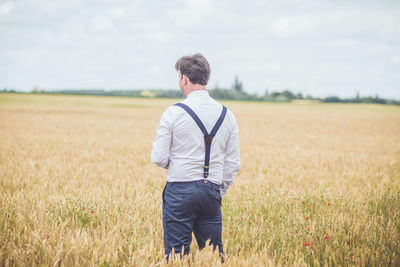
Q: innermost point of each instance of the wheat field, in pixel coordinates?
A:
(319, 184)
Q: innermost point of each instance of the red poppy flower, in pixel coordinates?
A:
(329, 203)
(307, 244)
(326, 237)
(92, 211)
(306, 217)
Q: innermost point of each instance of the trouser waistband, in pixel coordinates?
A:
(194, 182)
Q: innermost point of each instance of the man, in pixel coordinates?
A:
(197, 141)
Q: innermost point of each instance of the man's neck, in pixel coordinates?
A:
(196, 87)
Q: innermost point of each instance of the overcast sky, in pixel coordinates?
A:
(314, 47)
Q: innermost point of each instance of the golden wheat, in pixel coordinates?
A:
(319, 184)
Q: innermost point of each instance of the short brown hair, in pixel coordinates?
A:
(195, 67)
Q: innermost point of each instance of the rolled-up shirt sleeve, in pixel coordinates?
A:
(160, 153)
(232, 158)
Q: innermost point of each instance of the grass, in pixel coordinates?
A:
(319, 184)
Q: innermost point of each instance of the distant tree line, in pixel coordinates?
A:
(236, 92)
(369, 99)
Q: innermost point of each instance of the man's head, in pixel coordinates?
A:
(194, 72)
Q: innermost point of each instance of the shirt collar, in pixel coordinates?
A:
(197, 93)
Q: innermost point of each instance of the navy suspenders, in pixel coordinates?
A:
(207, 137)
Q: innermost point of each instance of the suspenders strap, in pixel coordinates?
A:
(207, 137)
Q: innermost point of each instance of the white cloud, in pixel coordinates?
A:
(395, 59)
(117, 13)
(341, 43)
(190, 13)
(102, 23)
(282, 27)
(295, 26)
(6, 8)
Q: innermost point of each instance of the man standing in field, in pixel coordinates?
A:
(197, 141)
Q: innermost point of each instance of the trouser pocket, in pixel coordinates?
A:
(215, 191)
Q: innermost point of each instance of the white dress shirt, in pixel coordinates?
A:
(179, 144)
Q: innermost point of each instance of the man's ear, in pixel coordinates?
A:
(185, 79)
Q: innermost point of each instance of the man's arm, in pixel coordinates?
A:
(232, 159)
(162, 143)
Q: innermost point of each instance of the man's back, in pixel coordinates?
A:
(187, 150)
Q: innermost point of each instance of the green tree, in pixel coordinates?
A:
(237, 86)
(288, 94)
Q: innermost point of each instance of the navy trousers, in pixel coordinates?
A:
(191, 207)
